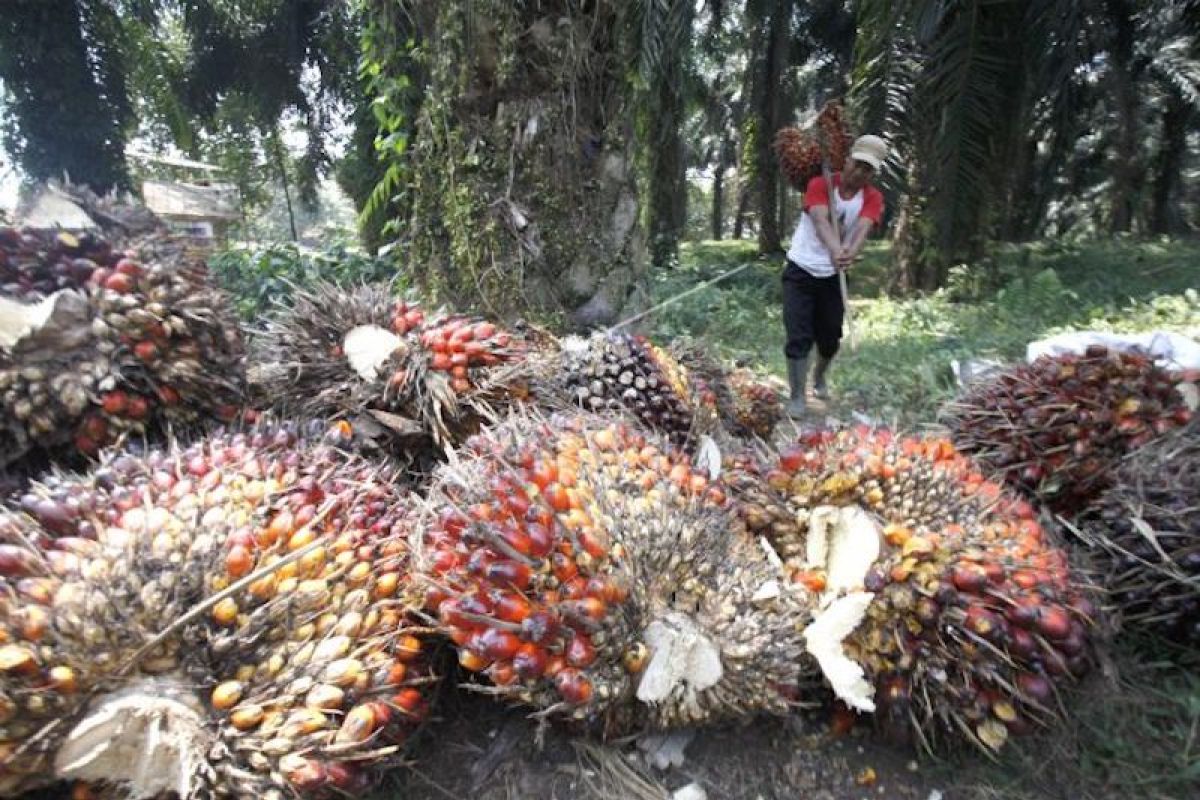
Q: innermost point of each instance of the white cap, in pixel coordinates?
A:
(869, 149)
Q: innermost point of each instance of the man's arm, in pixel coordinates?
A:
(824, 228)
(858, 237)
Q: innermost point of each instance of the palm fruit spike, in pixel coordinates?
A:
(585, 569)
(620, 373)
(971, 616)
(1056, 428)
(226, 619)
(799, 149)
(365, 354)
(1145, 533)
(99, 341)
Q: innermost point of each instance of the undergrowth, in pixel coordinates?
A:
(261, 276)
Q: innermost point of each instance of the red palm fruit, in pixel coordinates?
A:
(573, 686)
(1054, 622)
(512, 607)
(495, 645)
(539, 627)
(137, 407)
(119, 282)
(114, 402)
(530, 662)
(580, 652)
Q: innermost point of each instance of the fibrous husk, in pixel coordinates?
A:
(799, 149)
(617, 373)
(973, 615)
(225, 619)
(105, 339)
(585, 569)
(1057, 428)
(1145, 534)
(364, 355)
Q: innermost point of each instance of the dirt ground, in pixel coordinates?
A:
(480, 750)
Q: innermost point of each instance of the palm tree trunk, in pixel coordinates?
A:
(1125, 167)
(718, 201)
(521, 200)
(281, 165)
(1168, 166)
(768, 101)
(743, 209)
(667, 212)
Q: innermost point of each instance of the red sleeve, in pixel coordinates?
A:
(872, 205)
(816, 193)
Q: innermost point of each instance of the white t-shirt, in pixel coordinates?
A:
(807, 251)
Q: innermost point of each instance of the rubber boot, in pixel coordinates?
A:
(820, 388)
(797, 381)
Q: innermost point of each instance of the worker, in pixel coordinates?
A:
(812, 297)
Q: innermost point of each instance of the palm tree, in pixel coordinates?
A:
(1080, 87)
(937, 77)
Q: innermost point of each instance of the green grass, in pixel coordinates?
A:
(901, 368)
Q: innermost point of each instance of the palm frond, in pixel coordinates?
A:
(1175, 64)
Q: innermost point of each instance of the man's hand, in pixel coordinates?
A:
(842, 259)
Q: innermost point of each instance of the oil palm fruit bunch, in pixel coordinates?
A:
(367, 355)
(585, 569)
(799, 149)
(756, 407)
(224, 619)
(1145, 532)
(1056, 428)
(746, 405)
(968, 616)
(128, 339)
(618, 373)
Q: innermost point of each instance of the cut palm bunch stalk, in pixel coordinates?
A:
(100, 339)
(799, 149)
(382, 363)
(748, 405)
(224, 619)
(961, 615)
(617, 373)
(1056, 428)
(586, 570)
(1145, 534)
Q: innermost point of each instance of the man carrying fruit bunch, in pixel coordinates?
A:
(812, 297)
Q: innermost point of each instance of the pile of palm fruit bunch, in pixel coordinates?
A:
(969, 615)
(381, 363)
(799, 149)
(617, 373)
(102, 338)
(225, 619)
(1144, 533)
(585, 569)
(1057, 428)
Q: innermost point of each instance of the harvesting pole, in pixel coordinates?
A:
(827, 173)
